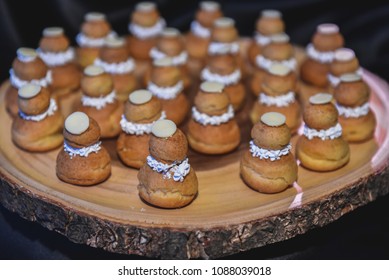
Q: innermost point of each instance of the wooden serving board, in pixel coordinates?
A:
(227, 216)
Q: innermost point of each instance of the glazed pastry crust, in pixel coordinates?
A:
(338, 68)
(54, 44)
(176, 109)
(170, 149)
(237, 95)
(124, 84)
(86, 56)
(96, 29)
(41, 136)
(197, 47)
(140, 48)
(166, 193)
(211, 139)
(35, 105)
(321, 116)
(352, 94)
(66, 79)
(267, 176)
(97, 86)
(143, 113)
(269, 137)
(34, 70)
(314, 72)
(327, 42)
(84, 171)
(322, 155)
(87, 138)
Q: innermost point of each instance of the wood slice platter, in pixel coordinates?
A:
(227, 216)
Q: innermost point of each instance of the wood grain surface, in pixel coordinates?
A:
(226, 217)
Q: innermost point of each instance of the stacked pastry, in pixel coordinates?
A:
(167, 85)
(94, 30)
(213, 128)
(278, 94)
(115, 60)
(38, 126)
(320, 53)
(269, 23)
(322, 147)
(83, 160)
(269, 166)
(99, 100)
(167, 179)
(27, 67)
(223, 61)
(278, 50)
(344, 62)
(199, 36)
(140, 112)
(171, 44)
(352, 101)
(145, 26)
(56, 52)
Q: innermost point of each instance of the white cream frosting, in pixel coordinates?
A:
(18, 83)
(335, 80)
(122, 67)
(205, 119)
(37, 118)
(85, 41)
(179, 59)
(98, 102)
(273, 155)
(199, 30)
(165, 92)
(82, 152)
(230, 79)
(147, 32)
(53, 59)
(261, 39)
(278, 101)
(323, 57)
(323, 134)
(223, 48)
(138, 128)
(265, 63)
(177, 170)
(353, 112)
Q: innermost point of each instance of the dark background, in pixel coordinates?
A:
(362, 234)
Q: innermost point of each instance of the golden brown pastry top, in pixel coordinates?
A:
(274, 84)
(320, 116)
(270, 22)
(327, 38)
(344, 62)
(206, 17)
(89, 137)
(32, 70)
(145, 14)
(114, 53)
(224, 31)
(270, 137)
(170, 149)
(222, 64)
(37, 104)
(95, 25)
(54, 40)
(279, 48)
(352, 94)
(143, 113)
(165, 76)
(170, 42)
(97, 86)
(212, 103)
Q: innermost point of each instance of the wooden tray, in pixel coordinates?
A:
(227, 217)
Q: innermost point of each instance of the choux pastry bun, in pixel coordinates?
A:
(115, 60)
(167, 180)
(38, 126)
(145, 26)
(83, 160)
(278, 94)
(322, 147)
(27, 68)
(167, 85)
(355, 115)
(269, 166)
(56, 52)
(99, 100)
(213, 128)
(141, 110)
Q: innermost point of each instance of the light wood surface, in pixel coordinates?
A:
(225, 218)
